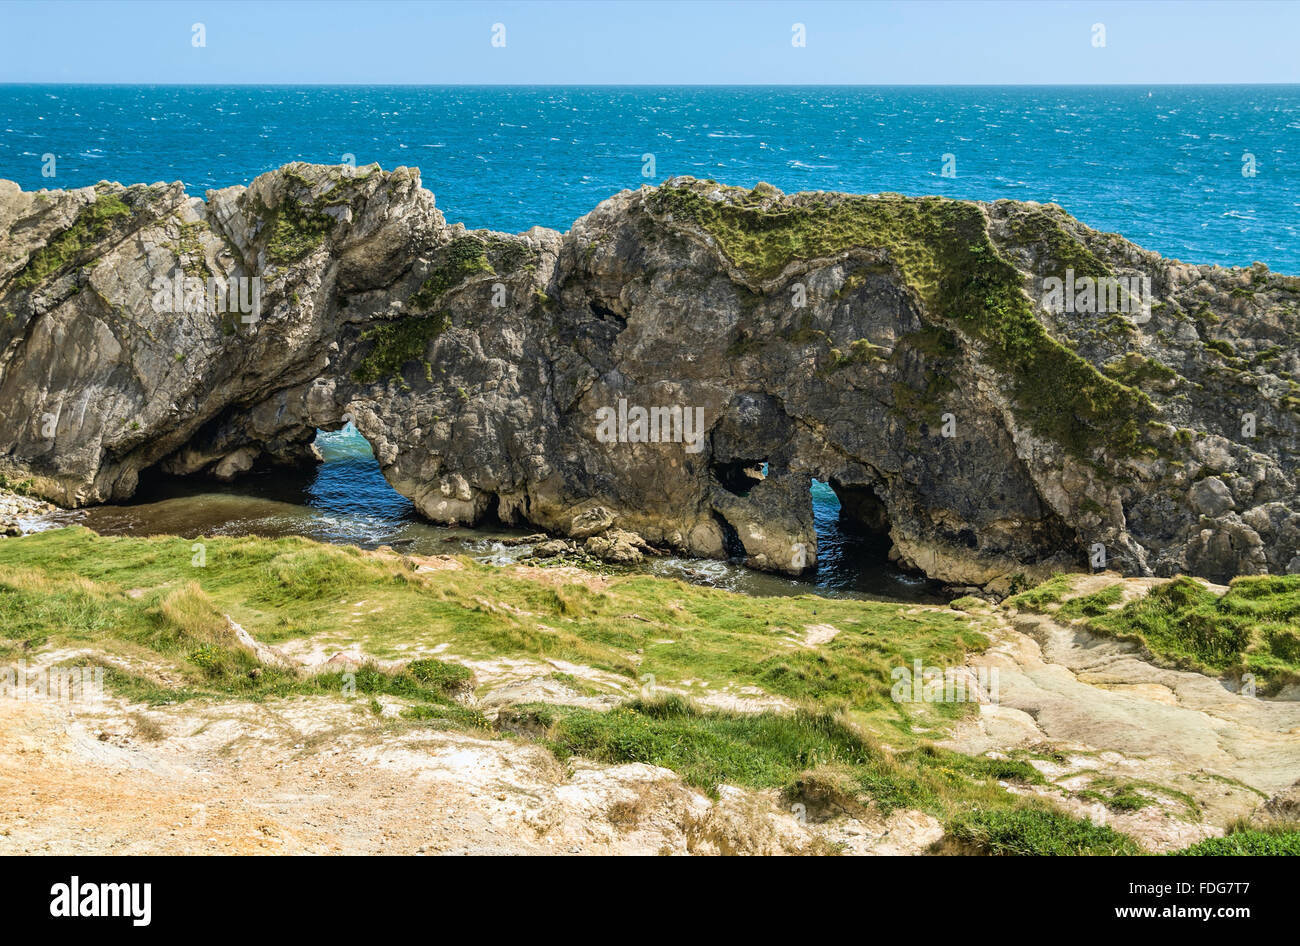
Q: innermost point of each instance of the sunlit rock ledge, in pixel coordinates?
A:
(978, 380)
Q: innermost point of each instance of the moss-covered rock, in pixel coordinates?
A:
(942, 249)
(96, 221)
(818, 335)
(396, 344)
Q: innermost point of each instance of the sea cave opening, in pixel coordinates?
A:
(350, 485)
(739, 476)
(853, 544)
(328, 487)
(348, 481)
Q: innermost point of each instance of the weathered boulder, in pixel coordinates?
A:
(1284, 806)
(678, 366)
(1210, 497)
(617, 547)
(590, 521)
(552, 548)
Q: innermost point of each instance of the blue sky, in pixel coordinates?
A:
(664, 42)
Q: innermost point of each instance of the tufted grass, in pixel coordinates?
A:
(295, 230)
(144, 605)
(811, 754)
(1252, 628)
(94, 222)
(1248, 841)
(1032, 831)
(943, 251)
(75, 586)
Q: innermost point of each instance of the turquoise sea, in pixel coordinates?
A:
(1161, 165)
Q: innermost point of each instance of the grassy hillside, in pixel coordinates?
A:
(1253, 628)
(157, 620)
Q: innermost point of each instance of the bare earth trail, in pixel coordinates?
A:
(322, 775)
(313, 776)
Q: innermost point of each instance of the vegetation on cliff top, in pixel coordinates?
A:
(297, 226)
(1040, 230)
(462, 258)
(468, 256)
(396, 343)
(93, 223)
(1253, 628)
(296, 230)
(406, 339)
(943, 251)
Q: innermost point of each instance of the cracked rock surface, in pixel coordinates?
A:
(900, 349)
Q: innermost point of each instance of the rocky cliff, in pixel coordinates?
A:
(999, 387)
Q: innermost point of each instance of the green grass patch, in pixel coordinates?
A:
(708, 749)
(448, 678)
(1092, 605)
(94, 222)
(140, 602)
(1253, 628)
(810, 753)
(943, 251)
(73, 586)
(1040, 229)
(1247, 843)
(1035, 832)
(1134, 795)
(1136, 371)
(1043, 595)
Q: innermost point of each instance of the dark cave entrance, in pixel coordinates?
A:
(861, 512)
(735, 549)
(853, 543)
(740, 476)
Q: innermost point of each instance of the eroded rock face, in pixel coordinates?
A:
(678, 366)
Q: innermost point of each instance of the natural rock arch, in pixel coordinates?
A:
(829, 336)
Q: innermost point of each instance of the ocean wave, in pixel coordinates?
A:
(867, 142)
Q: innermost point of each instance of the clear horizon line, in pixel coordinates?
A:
(664, 85)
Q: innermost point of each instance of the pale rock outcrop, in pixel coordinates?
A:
(900, 349)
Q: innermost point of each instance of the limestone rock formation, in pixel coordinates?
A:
(677, 366)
